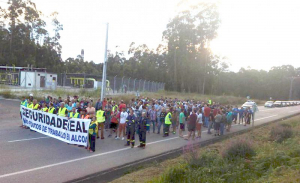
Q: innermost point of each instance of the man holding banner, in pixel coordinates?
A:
(69, 130)
(62, 111)
(92, 134)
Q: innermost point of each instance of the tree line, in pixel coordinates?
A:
(185, 63)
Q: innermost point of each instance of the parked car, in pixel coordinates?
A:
(278, 104)
(284, 104)
(269, 104)
(247, 104)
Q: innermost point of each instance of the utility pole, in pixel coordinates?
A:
(291, 88)
(175, 69)
(203, 85)
(103, 89)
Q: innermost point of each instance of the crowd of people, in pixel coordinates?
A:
(143, 115)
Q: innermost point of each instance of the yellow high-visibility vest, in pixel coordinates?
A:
(44, 109)
(51, 110)
(100, 116)
(30, 106)
(91, 131)
(72, 115)
(62, 112)
(167, 118)
(114, 107)
(36, 106)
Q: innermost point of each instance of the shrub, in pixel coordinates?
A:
(176, 174)
(238, 148)
(295, 152)
(272, 161)
(281, 132)
(7, 94)
(205, 160)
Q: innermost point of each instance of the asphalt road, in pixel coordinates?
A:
(27, 156)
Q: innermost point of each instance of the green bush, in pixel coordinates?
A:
(206, 160)
(294, 152)
(173, 175)
(281, 132)
(238, 148)
(273, 161)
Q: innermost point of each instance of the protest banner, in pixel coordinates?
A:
(72, 131)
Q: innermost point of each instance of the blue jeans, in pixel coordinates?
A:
(206, 121)
(159, 125)
(153, 123)
(222, 125)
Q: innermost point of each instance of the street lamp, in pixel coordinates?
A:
(291, 86)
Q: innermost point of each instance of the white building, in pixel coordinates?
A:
(37, 80)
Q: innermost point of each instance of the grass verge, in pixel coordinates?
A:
(259, 158)
(95, 94)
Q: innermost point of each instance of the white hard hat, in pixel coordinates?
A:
(30, 95)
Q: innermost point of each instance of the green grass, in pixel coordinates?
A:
(259, 158)
(270, 160)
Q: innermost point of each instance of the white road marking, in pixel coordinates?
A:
(265, 117)
(162, 140)
(294, 111)
(92, 156)
(28, 139)
(61, 163)
(268, 109)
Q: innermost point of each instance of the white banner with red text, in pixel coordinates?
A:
(72, 131)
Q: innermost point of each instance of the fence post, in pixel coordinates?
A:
(122, 84)
(64, 82)
(83, 84)
(144, 86)
(128, 84)
(134, 85)
(140, 85)
(114, 83)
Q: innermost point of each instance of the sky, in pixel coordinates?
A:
(257, 33)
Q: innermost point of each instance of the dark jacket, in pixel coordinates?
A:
(142, 125)
(130, 122)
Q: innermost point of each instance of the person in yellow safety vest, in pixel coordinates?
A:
(29, 104)
(23, 103)
(209, 102)
(114, 106)
(168, 122)
(62, 111)
(35, 105)
(100, 119)
(51, 109)
(73, 113)
(92, 134)
(44, 107)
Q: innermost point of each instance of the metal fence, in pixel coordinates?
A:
(114, 84)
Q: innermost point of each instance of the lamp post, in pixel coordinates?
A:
(103, 89)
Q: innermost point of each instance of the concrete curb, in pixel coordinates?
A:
(119, 171)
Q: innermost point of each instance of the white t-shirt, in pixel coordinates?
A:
(199, 118)
(123, 117)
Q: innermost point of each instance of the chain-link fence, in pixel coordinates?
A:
(114, 84)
